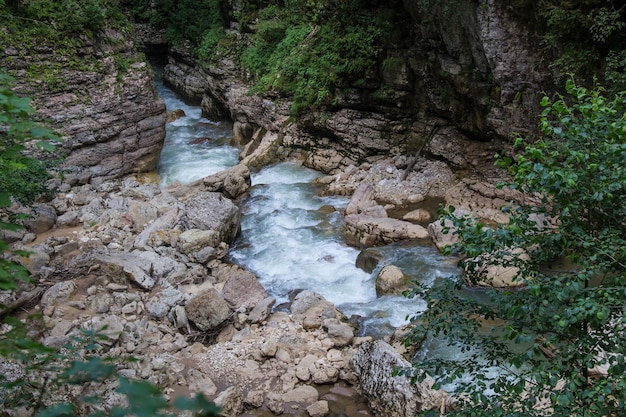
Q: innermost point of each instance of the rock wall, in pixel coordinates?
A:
(99, 96)
(463, 75)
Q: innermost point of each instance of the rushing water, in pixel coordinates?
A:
(194, 146)
(292, 237)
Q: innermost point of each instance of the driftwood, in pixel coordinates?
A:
(25, 298)
(413, 159)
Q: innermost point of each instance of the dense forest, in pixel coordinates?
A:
(570, 324)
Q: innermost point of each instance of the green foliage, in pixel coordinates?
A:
(183, 20)
(307, 49)
(22, 178)
(54, 17)
(567, 321)
(583, 34)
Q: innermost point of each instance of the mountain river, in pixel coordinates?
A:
(291, 237)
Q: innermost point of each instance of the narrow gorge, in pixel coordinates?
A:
(151, 241)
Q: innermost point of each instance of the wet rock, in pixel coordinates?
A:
(368, 259)
(175, 115)
(390, 280)
(207, 310)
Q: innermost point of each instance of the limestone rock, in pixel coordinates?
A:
(417, 216)
(392, 396)
(340, 333)
(243, 291)
(233, 182)
(261, 310)
(230, 401)
(207, 310)
(58, 293)
(495, 272)
(194, 240)
(370, 231)
(318, 409)
(390, 280)
(311, 309)
(212, 211)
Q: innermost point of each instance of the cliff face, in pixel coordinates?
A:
(98, 94)
(458, 77)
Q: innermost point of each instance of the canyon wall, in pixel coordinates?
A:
(97, 93)
(462, 82)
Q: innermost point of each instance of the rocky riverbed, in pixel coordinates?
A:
(145, 265)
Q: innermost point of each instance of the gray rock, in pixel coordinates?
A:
(194, 240)
(243, 290)
(392, 396)
(318, 409)
(366, 230)
(340, 333)
(311, 309)
(43, 219)
(233, 182)
(212, 211)
(390, 280)
(57, 294)
(230, 401)
(262, 310)
(207, 310)
(163, 300)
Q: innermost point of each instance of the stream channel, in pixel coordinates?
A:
(291, 237)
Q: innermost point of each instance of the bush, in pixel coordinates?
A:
(558, 341)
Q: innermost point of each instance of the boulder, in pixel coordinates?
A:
(311, 309)
(417, 216)
(212, 211)
(489, 270)
(365, 230)
(390, 280)
(207, 310)
(233, 182)
(262, 310)
(389, 395)
(230, 401)
(243, 291)
(57, 294)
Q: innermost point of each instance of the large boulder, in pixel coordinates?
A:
(364, 230)
(212, 211)
(207, 310)
(389, 395)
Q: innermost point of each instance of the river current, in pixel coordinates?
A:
(291, 237)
